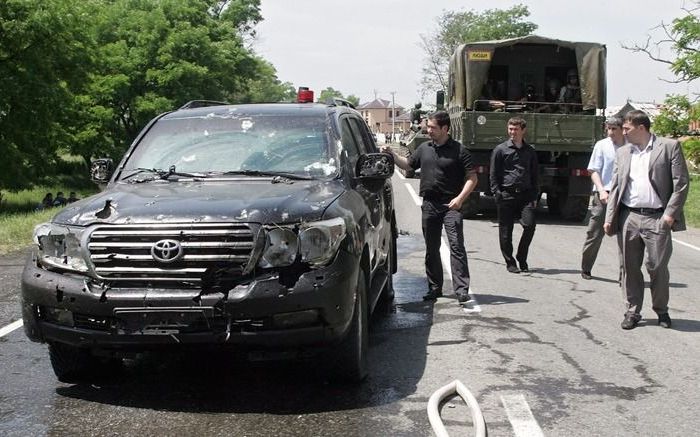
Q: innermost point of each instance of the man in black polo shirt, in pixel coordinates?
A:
(513, 178)
(446, 179)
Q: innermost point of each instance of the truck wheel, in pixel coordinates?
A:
(553, 205)
(470, 207)
(351, 354)
(575, 208)
(70, 364)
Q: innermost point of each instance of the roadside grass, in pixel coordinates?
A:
(19, 215)
(29, 200)
(16, 228)
(692, 205)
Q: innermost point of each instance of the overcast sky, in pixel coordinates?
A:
(369, 48)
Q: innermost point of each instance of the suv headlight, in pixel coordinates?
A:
(317, 242)
(59, 247)
(320, 241)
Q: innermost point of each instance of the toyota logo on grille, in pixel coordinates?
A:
(166, 251)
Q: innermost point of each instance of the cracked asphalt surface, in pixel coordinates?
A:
(549, 336)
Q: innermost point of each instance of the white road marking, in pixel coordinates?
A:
(686, 244)
(11, 327)
(400, 175)
(520, 416)
(473, 305)
(418, 201)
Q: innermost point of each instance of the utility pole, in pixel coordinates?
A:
(393, 116)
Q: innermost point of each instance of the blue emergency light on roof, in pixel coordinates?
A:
(305, 95)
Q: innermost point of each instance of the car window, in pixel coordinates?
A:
(350, 145)
(237, 142)
(360, 130)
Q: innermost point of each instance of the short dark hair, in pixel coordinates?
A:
(442, 118)
(638, 118)
(518, 121)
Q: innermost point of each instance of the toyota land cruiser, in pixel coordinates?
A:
(261, 225)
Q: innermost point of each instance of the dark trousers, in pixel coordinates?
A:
(435, 215)
(510, 208)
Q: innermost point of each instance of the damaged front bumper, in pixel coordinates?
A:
(74, 310)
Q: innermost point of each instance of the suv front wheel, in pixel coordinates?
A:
(71, 364)
(351, 353)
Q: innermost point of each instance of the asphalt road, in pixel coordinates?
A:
(543, 353)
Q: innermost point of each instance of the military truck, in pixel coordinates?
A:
(492, 81)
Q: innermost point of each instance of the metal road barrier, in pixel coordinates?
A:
(440, 394)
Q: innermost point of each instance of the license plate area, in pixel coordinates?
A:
(159, 321)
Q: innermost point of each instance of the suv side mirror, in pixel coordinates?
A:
(101, 170)
(375, 166)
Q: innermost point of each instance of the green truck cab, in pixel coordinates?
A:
(492, 81)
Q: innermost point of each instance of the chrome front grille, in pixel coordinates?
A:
(123, 253)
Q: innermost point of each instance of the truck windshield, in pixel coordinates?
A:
(238, 144)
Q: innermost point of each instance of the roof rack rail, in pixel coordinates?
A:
(337, 101)
(201, 103)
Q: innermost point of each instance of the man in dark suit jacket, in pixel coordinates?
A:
(649, 188)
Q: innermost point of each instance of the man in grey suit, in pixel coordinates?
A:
(649, 188)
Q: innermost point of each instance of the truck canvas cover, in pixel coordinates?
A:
(471, 62)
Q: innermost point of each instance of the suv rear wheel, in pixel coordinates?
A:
(386, 298)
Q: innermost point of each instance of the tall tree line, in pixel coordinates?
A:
(83, 78)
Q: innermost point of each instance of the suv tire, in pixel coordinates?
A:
(71, 364)
(351, 353)
(386, 297)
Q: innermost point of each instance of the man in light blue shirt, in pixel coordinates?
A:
(601, 168)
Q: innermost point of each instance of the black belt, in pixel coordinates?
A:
(644, 211)
(515, 190)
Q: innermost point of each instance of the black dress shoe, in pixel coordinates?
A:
(630, 322)
(432, 295)
(513, 268)
(523, 267)
(664, 320)
(463, 298)
(586, 275)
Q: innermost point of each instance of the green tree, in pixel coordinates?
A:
(455, 28)
(45, 57)
(675, 116)
(679, 47)
(330, 93)
(682, 38)
(156, 55)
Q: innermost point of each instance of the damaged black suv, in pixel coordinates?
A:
(266, 226)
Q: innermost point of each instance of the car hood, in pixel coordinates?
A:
(246, 200)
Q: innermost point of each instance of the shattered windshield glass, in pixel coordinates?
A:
(238, 144)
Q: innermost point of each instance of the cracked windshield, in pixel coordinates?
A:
(213, 145)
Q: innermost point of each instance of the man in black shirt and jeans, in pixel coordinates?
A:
(513, 180)
(447, 178)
